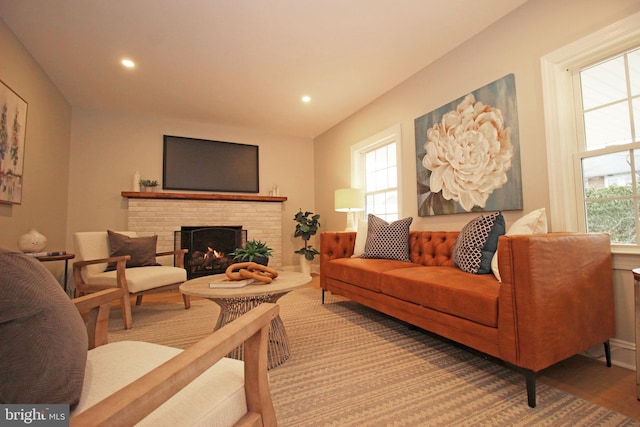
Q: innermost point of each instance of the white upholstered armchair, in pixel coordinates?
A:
(108, 259)
(171, 387)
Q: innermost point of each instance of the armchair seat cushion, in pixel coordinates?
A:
(215, 398)
(142, 278)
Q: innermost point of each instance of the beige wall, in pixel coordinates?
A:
(108, 148)
(514, 44)
(46, 161)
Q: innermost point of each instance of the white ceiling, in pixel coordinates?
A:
(242, 63)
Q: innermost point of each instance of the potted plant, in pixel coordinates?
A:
(307, 226)
(253, 251)
(148, 184)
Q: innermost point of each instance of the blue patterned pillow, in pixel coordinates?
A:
(389, 241)
(477, 243)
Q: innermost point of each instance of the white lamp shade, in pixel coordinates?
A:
(349, 200)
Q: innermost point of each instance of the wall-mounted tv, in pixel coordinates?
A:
(200, 164)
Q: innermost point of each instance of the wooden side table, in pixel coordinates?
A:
(63, 257)
(636, 291)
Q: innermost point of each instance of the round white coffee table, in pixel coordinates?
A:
(234, 302)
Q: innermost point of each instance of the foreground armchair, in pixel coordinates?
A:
(45, 360)
(204, 384)
(107, 259)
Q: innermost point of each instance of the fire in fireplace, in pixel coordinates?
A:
(209, 248)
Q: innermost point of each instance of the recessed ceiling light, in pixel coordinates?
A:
(306, 98)
(128, 63)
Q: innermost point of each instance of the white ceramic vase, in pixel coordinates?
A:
(32, 241)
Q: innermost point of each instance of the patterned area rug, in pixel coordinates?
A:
(351, 366)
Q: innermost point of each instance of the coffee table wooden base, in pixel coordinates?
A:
(234, 302)
(232, 308)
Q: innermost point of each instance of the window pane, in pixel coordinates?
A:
(381, 179)
(392, 177)
(392, 202)
(607, 126)
(381, 158)
(636, 119)
(615, 217)
(634, 73)
(603, 83)
(391, 154)
(609, 199)
(370, 161)
(606, 171)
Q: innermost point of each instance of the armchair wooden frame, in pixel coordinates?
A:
(132, 403)
(83, 288)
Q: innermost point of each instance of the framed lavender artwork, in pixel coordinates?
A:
(13, 123)
(468, 153)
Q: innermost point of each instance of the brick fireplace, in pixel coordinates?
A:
(163, 214)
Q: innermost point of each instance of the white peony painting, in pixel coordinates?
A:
(468, 153)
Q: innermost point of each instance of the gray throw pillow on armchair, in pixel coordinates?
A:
(44, 339)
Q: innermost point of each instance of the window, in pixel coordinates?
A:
(608, 117)
(376, 170)
(582, 140)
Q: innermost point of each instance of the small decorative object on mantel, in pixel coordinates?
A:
(136, 182)
(148, 184)
(32, 241)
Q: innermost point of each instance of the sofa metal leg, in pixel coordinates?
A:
(323, 296)
(607, 352)
(530, 378)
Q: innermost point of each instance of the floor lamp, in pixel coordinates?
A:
(349, 200)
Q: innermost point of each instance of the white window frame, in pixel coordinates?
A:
(561, 129)
(358, 151)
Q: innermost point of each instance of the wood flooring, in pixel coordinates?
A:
(613, 388)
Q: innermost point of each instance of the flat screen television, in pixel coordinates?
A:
(200, 164)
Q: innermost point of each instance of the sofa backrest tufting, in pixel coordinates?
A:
(432, 248)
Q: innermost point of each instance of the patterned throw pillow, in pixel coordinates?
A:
(389, 241)
(477, 243)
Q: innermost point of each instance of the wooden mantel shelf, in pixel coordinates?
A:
(201, 196)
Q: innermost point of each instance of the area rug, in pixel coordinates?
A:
(352, 366)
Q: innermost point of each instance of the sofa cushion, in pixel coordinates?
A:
(447, 290)
(362, 272)
(141, 249)
(44, 340)
(388, 241)
(535, 222)
(215, 398)
(477, 243)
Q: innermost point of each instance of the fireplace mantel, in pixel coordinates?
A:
(201, 196)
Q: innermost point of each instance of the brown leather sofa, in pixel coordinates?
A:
(554, 301)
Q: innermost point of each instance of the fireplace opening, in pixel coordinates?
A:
(209, 248)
